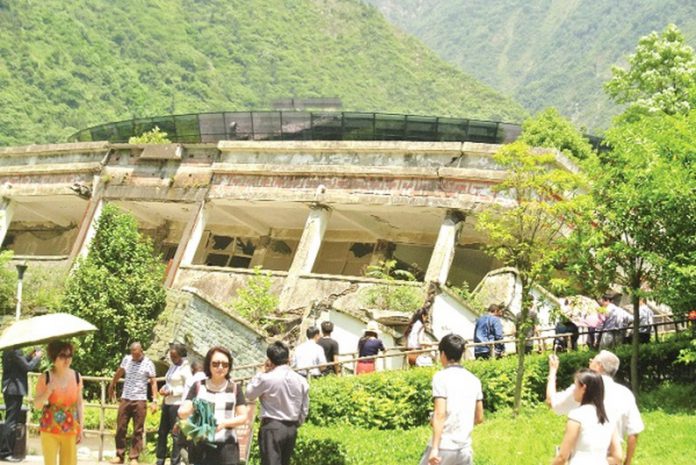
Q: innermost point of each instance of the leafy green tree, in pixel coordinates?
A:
(550, 129)
(118, 288)
(8, 283)
(661, 75)
(527, 230)
(154, 136)
(255, 301)
(639, 232)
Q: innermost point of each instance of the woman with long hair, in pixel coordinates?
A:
(59, 395)
(229, 404)
(415, 338)
(590, 438)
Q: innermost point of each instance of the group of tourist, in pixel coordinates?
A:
(607, 326)
(283, 394)
(601, 413)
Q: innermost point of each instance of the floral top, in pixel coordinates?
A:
(60, 415)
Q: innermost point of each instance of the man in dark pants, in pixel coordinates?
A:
(15, 366)
(284, 399)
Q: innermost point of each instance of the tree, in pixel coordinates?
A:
(526, 228)
(8, 283)
(118, 288)
(661, 76)
(639, 231)
(154, 136)
(550, 129)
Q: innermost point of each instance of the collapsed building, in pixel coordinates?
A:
(311, 199)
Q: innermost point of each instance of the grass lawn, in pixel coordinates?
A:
(527, 440)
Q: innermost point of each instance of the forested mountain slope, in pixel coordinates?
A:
(65, 65)
(542, 52)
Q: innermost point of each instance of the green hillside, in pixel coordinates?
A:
(69, 65)
(542, 52)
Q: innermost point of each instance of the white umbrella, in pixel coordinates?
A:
(44, 328)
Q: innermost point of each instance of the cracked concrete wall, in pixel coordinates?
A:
(219, 284)
(195, 321)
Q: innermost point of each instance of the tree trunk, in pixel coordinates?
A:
(635, 380)
(521, 336)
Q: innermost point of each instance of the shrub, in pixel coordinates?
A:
(391, 296)
(155, 136)
(402, 399)
(312, 448)
(255, 301)
(387, 400)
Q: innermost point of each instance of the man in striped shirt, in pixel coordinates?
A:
(139, 371)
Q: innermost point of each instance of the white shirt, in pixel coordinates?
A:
(137, 377)
(308, 354)
(176, 379)
(646, 319)
(462, 390)
(594, 438)
(617, 318)
(414, 337)
(619, 403)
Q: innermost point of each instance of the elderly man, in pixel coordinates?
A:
(619, 402)
(284, 399)
(139, 371)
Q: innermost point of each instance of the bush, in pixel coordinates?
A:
(402, 399)
(255, 301)
(387, 400)
(347, 445)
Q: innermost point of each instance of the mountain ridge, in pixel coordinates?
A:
(68, 66)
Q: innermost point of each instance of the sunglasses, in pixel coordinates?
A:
(65, 355)
(220, 364)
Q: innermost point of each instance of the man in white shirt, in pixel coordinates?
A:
(619, 402)
(309, 354)
(458, 406)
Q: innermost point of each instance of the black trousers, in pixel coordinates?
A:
(13, 409)
(226, 453)
(167, 422)
(277, 441)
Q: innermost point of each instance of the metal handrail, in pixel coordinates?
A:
(211, 127)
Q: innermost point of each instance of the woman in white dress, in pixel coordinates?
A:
(590, 438)
(416, 339)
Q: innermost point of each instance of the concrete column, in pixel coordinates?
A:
(189, 242)
(443, 253)
(307, 250)
(89, 228)
(260, 252)
(195, 229)
(6, 213)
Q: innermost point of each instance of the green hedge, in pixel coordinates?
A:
(402, 399)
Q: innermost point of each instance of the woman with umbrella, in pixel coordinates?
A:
(59, 395)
